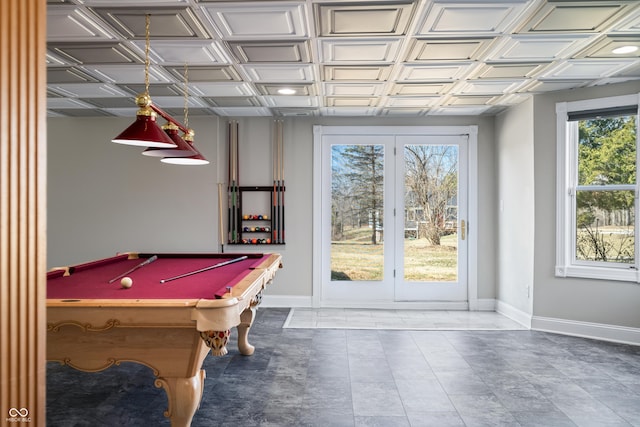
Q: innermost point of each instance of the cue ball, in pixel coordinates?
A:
(126, 282)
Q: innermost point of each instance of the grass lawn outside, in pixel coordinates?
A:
(355, 258)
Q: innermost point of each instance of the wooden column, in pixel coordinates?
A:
(22, 211)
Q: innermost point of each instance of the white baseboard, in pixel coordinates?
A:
(599, 331)
(286, 301)
(486, 304)
(514, 314)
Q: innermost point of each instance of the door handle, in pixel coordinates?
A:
(462, 229)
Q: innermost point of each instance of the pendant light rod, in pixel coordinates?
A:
(168, 117)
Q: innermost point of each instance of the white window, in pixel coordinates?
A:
(597, 193)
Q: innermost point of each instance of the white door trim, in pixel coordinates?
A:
(472, 131)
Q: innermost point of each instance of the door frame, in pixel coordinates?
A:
(472, 220)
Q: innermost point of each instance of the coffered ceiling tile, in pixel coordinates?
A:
(126, 73)
(205, 73)
(191, 52)
(355, 73)
(177, 102)
(70, 23)
(473, 100)
(122, 112)
(291, 101)
(274, 88)
(242, 112)
(604, 47)
(68, 75)
(585, 16)
(585, 69)
(56, 61)
(359, 19)
(271, 51)
(540, 86)
(96, 53)
(295, 112)
(348, 111)
(508, 70)
(60, 103)
(359, 50)
(165, 22)
(488, 87)
(450, 49)
(80, 112)
(88, 90)
(353, 89)
(233, 101)
(53, 94)
(222, 89)
(255, 19)
(343, 101)
(159, 89)
(279, 73)
(437, 72)
(630, 24)
(468, 17)
(420, 89)
(413, 101)
(178, 114)
(540, 48)
(402, 112)
(119, 102)
(459, 111)
(138, 2)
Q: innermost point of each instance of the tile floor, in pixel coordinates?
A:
(347, 318)
(366, 377)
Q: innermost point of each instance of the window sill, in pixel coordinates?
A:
(622, 274)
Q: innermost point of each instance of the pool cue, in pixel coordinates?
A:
(277, 166)
(142, 264)
(220, 219)
(191, 273)
(282, 179)
(236, 193)
(275, 183)
(229, 211)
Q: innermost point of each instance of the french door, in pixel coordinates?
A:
(392, 223)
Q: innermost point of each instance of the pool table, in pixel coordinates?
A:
(167, 324)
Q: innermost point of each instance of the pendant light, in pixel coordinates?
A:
(145, 131)
(195, 159)
(183, 148)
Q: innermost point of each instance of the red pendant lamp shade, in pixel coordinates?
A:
(183, 148)
(195, 160)
(145, 132)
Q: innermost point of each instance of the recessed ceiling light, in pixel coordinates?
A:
(624, 49)
(286, 91)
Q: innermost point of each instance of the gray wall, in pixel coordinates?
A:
(596, 301)
(104, 198)
(516, 206)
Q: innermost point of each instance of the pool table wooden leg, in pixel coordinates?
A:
(246, 320)
(184, 396)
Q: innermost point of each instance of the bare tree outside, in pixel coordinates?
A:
(431, 180)
(357, 190)
(357, 222)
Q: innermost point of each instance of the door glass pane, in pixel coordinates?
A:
(431, 213)
(605, 228)
(357, 212)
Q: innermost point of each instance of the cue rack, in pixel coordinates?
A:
(267, 226)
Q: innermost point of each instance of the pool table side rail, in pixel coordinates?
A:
(260, 275)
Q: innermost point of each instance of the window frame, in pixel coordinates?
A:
(567, 152)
